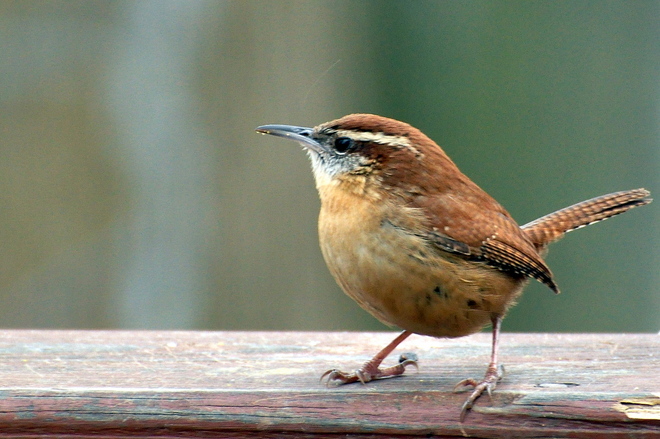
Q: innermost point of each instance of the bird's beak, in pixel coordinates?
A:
(302, 135)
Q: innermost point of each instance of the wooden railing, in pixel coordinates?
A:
(266, 385)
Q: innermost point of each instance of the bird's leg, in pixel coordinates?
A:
(371, 370)
(493, 374)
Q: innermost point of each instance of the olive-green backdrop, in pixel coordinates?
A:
(134, 192)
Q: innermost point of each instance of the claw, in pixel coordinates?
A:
(465, 383)
(488, 384)
(409, 358)
(369, 372)
(336, 375)
(491, 378)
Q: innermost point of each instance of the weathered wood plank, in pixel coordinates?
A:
(266, 384)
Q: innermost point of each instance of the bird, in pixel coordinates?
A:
(418, 244)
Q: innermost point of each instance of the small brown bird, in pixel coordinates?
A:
(420, 246)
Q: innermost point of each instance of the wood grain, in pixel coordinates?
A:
(266, 385)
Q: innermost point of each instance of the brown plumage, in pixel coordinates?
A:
(551, 227)
(419, 245)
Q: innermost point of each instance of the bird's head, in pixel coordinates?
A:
(368, 147)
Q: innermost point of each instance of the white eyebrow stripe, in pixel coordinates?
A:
(381, 138)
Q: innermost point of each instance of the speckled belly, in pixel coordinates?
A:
(398, 278)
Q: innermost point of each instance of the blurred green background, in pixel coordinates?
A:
(134, 192)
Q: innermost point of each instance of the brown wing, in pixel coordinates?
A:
(507, 258)
(478, 228)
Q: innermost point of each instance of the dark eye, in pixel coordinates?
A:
(343, 144)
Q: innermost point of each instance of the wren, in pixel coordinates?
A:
(419, 245)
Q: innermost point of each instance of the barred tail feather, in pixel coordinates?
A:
(552, 227)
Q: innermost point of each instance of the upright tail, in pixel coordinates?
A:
(551, 227)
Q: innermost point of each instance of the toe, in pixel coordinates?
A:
(469, 382)
(336, 376)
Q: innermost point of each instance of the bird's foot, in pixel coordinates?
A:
(370, 371)
(489, 383)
